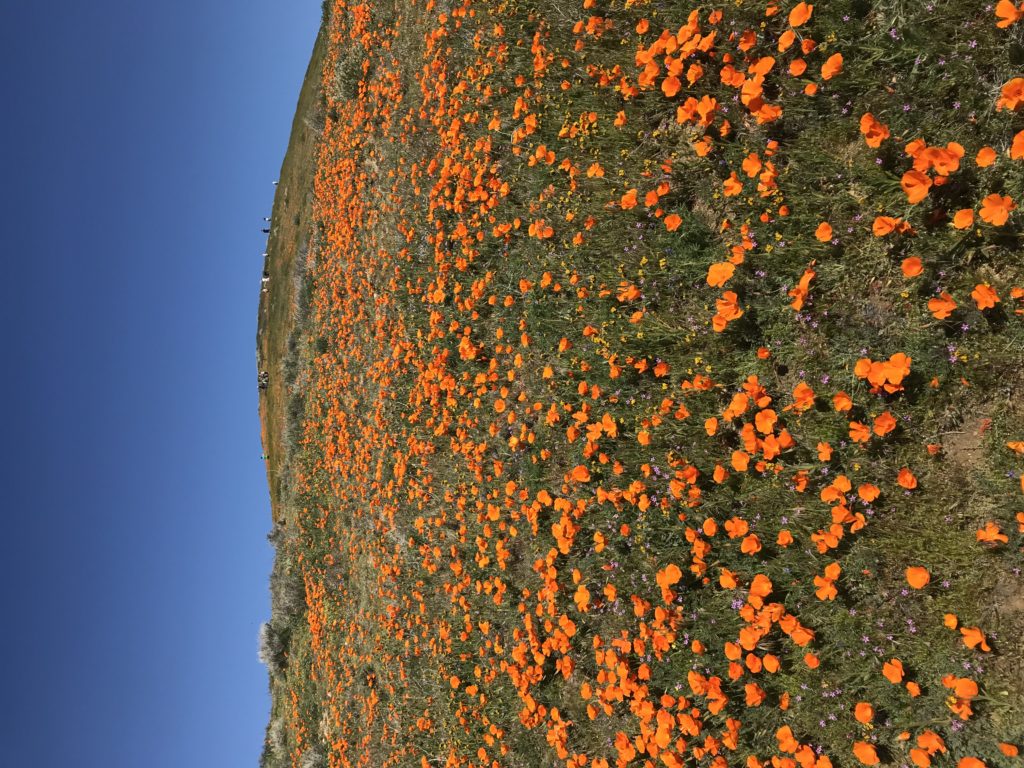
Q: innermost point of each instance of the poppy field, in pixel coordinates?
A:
(658, 392)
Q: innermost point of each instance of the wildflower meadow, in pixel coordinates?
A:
(656, 389)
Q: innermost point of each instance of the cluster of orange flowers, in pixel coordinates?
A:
(529, 535)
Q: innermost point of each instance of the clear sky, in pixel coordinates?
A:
(140, 143)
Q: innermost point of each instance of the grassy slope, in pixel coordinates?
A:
(290, 233)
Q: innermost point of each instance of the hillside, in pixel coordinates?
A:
(280, 308)
(646, 388)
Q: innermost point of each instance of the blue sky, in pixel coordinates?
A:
(140, 145)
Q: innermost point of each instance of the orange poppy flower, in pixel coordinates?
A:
(668, 576)
(823, 232)
(863, 712)
(801, 290)
(874, 132)
(859, 432)
(800, 14)
(918, 577)
(803, 397)
(842, 402)
(750, 545)
(991, 533)
(628, 200)
(963, 218)
(1010, 750)
(884, 424)
(906, 479)
(920, 758)
(719, 273)
(1017, 147)
(1008, 14)
(868, 492)
(833, 66)
(883, 225)
(1011, 96)
(672, 222)
(911, 266)
(985, 157)
(754, 695)
(971, 762)
(984, 296)
(825, 589)
(916, 185)
(941, 306)
(582, 598)
(728, 309)
(974, 638)
(892, 670)
(995, 209)
(865, 753)
(727, 579)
